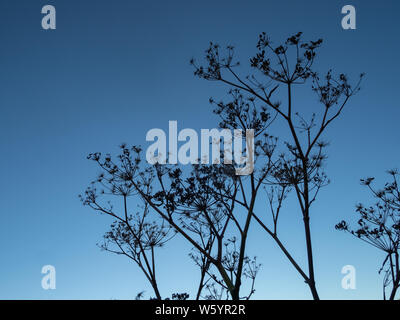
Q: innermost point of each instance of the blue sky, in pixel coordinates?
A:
(110, 72)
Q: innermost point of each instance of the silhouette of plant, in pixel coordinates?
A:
(379, 226)
(132, 235)
(215, 286)
(209, 205)
(194, 204)
(180, 296)
(299, 167)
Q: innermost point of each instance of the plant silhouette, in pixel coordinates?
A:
(379, 226)
(210, 206)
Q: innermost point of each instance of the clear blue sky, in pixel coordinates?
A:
(111, 71)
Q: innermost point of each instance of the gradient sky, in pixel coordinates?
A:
(111, 71)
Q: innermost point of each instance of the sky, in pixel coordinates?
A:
(111, 71)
